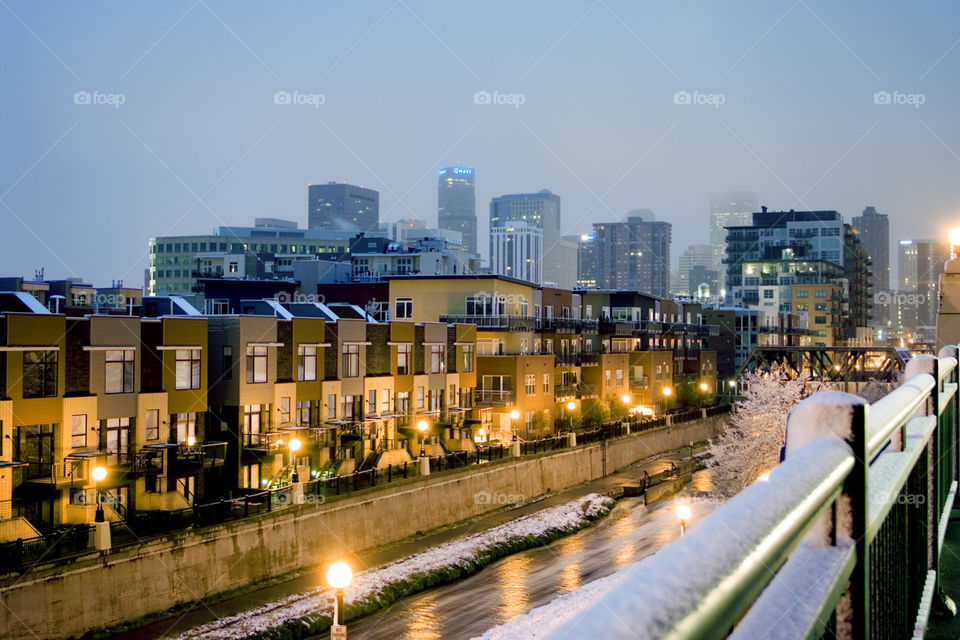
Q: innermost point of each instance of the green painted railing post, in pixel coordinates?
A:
(856, 488)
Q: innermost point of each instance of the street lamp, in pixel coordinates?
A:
(513, 416)
(294, 447)
(99, 474)
(422, 427)
(954, 238)
(571, 407)
(683, 513)
(339, 575)
(191, 441)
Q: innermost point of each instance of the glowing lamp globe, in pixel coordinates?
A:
(294, 445)
(191, 441)
(704, 387)
(683, 512)
(625, 398)
(514, 414)
(571, 405)
(339, 575)
(422, 425)
(954, 236)
(667, 391)
(99, 473)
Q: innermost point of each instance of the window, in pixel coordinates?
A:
(546, 383)
(372, 402)
(346, 407)
(228, 363)
(285, 410)
(256, 364)
(820, 319)
(331, 407)
(251, 476)
(188, 369)
(820, 306)
(251, 425)
(606, 375)
(419, 397)
(306, 363)
(803, 293)
(466, 358)
(39, 374)
(404, 352)
(118, 371)
(802, 306)
(351, 360)
(78, 431)
(303, 412)
(186, 424)
(528, 419)
(117, 436)
(152, 424)
(384, 401)
(403, 403)
(404, 308)
(452, 396)
(768, 294)
(479, 306)
(820, 293)
(437, 358)
(530, 384)
(619, 377)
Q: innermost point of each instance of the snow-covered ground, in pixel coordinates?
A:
(368, 586)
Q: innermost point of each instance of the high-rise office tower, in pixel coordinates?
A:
(340, 206)
(516, 251)
(874, 231)
(587, 262)
(541, 210)
(634, 255)
(729, 209)
(696, 255)
(457, 203)
(921, 263)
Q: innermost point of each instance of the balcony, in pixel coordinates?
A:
(493, 396)
(496, 323)
(639, 382)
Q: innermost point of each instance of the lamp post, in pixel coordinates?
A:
(667, 393)
(294, 447)
(422, 428)
(683, 513)
(704, 388)
(514, 414)
(571, 407)
(339, 576)
(99, 474)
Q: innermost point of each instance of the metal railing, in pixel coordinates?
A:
(843, 540)
(493, 396)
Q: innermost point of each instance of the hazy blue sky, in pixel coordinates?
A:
(199, 140)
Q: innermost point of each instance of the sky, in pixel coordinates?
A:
(121, 121)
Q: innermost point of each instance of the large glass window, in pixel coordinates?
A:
(188, 369)
(404, 353)
(256, 364)
(437, 358)
(306, 363)
(152, 425)
(117, 439)
(466, 358)
(118, 371)
(186, 425)
(39, 374)
(78, 431)
(404, 308)
(351, 360)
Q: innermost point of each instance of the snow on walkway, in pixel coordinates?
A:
(370, 584)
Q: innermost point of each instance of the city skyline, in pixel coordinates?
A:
(106, 124)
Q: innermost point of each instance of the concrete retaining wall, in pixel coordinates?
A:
(93, 591)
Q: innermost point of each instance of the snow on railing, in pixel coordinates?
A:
(843, 539)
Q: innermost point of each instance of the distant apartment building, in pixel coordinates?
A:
(338, 206)
(729, 209)
(782, 249)
(541, 210)
(457, 203)
(920, 264)
(874, 230)
(689, 277)
(587, 262)
(267, 249)
(517, 251)
(634, 255)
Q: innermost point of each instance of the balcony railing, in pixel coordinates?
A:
(500, 323)
(494, 396)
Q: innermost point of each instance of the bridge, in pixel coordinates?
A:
(845, 539)
(830, 364)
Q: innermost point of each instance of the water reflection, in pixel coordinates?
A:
(424, 623)
(511, 577)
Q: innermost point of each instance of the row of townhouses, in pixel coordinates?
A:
(182, 408)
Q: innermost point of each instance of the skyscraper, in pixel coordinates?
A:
(587, 262)
(874, 231)
(634, 255)
(541, 210)
(343, 207)
(921, 263)
(457, 203)
(729, 209)
(696, 255)
(516, 251)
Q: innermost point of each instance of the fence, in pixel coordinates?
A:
(843, 540)
(25, 552)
